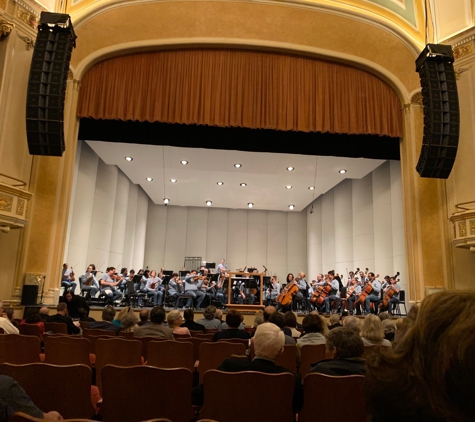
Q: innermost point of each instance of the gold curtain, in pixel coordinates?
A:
(234, 88)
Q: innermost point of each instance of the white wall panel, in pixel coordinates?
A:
(156, 233)
(129, 244)
(196, 233)
(216, 236)
(140, 230)
(328, 232)
(314, 239)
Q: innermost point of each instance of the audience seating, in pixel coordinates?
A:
(66, 389)
(213, 354)
(30, 330)
(195, 332)
(116, 351)
(237, 340)
(196, 345)
(141, 383)
(56, 327)
(19, 349)
(87, 332)
(171, 354)
(145, 340)
(368, 350)
(84, 324)
(238, 396)
(288, 359)
(128, 335)
(2, 331)
(310, 354)
(208, 336)
(177, 336)
(93, 340)
(23, 417)
(68, 350)
(348, 386)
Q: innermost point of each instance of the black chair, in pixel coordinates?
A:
(133, 295)
(402, 301)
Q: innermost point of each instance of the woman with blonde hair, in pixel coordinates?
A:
(431, 368)
(129, 322)
(175, 319)
(372, 332)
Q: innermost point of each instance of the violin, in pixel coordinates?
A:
(89, 280)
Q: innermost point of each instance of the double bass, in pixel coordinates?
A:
(285, 297)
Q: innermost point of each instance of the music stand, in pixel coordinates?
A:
(167, 272)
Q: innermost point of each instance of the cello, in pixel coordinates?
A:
(285, 297)
(320, 294)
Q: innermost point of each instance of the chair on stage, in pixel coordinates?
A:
(116, 351)
(171, 354)
(402, 302)
(68, 350)
(310, 354)
(267, 397)
(66, 389)
(213, 354)
(19, 349)
(147, 402)
(30, 330)
(133, 295)
(348, 386)
(56, 327)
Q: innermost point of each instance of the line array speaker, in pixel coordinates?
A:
(47, 84)
(441, 111)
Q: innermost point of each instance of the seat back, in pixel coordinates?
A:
(171, 354)
(177, 336)
(213, 354)
(116, 351)
(170, 402)
(66, 389)
(93, 341)
(19, 349)
(87, 332)
(369, 350)
(67, 350)
(237, 340)
(249, 387)
(402, 296)
(30, 330)
(348, 386)
(145, 340)
(309, 354)
(84, 324)
(194, 333)
(56, 327)
(207, 336)
(128, 335)
(196, 345)
(288, 359)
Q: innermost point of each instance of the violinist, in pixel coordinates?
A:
(273, 291)
(333, 294)
(354, 290)
(108, 283)
(143, 281)
(154, 288)
(123, 283)
(68, 280)
(374, 296)
(394, 299)
(89, 283)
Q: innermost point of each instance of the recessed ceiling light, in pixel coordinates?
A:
(342, 171)
(166, 201)
(209, 203)
(148, 179)
(290, 168)
(243, 184)
(291, 206)
(288, 187)
(128, 158)
(220, 183)
(173, 180)
(184, 162)
(250, 204)
(311, 187)
(237, 165)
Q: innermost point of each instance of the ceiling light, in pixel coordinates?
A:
(208, 203)
(148, 179)
(291, 206)
(342, 171)
(288, 187)
(128, 158)
(250, 204)
(237, 165)
(166, 201)
(290, 168)
(184, 162)
(243, 184)
(311, 187)
(173, 180)
(220, 183)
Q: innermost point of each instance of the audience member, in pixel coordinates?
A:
(144, 316)
(389, 328)
(314, 329)
(219, 315)
(278, 319)
(108, 315)
(175, 319)
(431, 367)
(334, 321)
(209, 321)
(129, 322)
(352, 323)
(346, 348)
(73, 303)
(44, 313)
(384, 315)
(6, 324)
(291, 323)
(10, 312)
(83, 316)
(120, 315)
(63, 318)
(372, 332)
(156, 327)
(189, 315)
(33, 317)
(233, 322)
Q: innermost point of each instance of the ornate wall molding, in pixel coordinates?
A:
(464, 49)
(5, 29)
(30, 43)
(416, 99)
(27, 17)
(464, 226)
(13, 206)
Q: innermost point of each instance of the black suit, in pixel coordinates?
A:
(104, 325)
(72, 329)
(193, 326)
(340, 367)
(258, 365)
(231, 333)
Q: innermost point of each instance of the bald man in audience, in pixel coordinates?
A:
(63, 318)
(44, 313)
(144, 316)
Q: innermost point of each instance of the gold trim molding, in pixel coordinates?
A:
(417, 99)
(27, 17)
(464, 226)
(13, 206)
(463, 50)
(30, 43)
(5, 29)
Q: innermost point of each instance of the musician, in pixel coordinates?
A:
(333, 294)
(222, 267)
(391, 284)
(154, 288)
(123, 283)
(221, 294)
(351, 275)
(89, 283)
(143, 281)
(190, 287)
(303, 287)
(273, 291)
(354, 290)
(375, 295)
(108, 285)
(361, 278)
(67, 278)
(175, 286)
(206, 289)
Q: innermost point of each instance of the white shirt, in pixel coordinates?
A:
(8, 327)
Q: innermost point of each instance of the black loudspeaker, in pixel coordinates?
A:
(441, 111)
(47, 84)
(29, 294)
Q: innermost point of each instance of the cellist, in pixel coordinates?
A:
(394, 299)
(354, 290)
(374, 296)
(333, 293)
